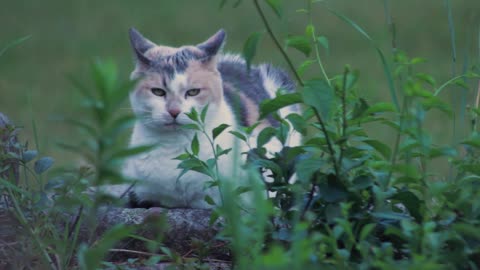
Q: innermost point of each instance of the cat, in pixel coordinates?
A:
(173, 81)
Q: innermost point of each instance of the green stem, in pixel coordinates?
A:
(277, 43)
(396, 146)
(344, 114)
(217, 172)
(315, 43)
(329, 142)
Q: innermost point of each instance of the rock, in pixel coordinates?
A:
(181, 230)
(185, 232)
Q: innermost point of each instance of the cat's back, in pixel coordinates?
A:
(244, 89)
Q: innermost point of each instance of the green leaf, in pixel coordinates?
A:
(265, 135)
(305, 64)
(300, 43)
(362, 182)
(191, 126)
(380, 107)
(319, 95)
(242, 189)
(332, 190)
(203, 114)
(250, 47)
(213, 217)
(91, 258)
(193, 115)
(276, 5)
(307, 167)
(194, 164)
(132, 151)
(219, 151)
(468, 230)
(195, 145)
(298, 123)
(105, 75)
(380, 147)
(183, 156)
(209, 200)
(390, 215)
(43, 164)
(238, 135)
(272, 105)
(360, 108)
(366, 231)
(323, 41)
(218, 130)
(426, 78)
(29, 155)
(411, 202)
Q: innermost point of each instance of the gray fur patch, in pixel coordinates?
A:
(237, 79)
(175, 63)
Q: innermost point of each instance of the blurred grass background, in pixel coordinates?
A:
(67, 35)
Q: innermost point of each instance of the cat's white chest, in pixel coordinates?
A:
(158, 174)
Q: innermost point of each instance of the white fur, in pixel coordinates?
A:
(156, 171)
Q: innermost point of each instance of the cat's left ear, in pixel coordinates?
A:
(214, 44)
(140, 46)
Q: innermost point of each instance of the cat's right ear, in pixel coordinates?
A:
(140, 45)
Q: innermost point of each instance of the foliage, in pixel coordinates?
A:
(342, 199)
(357, 202)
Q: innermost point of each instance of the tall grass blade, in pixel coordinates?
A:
(386, 68)
(14, 43)
(390, 24)
(32, 119)
(451, 28)
(464, 90)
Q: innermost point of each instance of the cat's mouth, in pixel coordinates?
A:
(173, 124)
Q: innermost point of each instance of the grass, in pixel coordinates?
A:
(364, 198)
(65, 35)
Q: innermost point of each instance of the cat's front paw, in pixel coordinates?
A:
(134, 202)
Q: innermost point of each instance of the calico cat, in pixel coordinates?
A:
(173, 81)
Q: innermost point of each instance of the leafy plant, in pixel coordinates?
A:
(342, 199)
(358, 202)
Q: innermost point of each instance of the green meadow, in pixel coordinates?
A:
(66, 36)
(387, 175)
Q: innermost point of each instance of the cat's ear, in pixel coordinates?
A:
(140, 45)
(214, 44)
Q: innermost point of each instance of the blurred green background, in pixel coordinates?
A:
(67, 35)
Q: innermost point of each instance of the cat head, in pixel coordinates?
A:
(173, 81)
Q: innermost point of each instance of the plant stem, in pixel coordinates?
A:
(477, 102)
(277, 43)
(217, 172)
(396, 146)
(344, 115)
(315, 43)
(310, 198)
(329, 142)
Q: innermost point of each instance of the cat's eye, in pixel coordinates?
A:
(193, 92)
(158, 92)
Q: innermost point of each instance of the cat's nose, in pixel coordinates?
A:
(174, 112)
